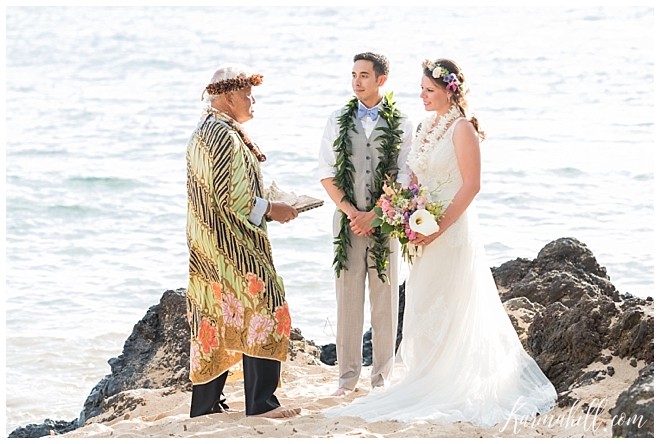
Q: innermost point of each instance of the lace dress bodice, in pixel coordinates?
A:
(434, 162)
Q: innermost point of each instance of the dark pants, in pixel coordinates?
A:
(261, 377)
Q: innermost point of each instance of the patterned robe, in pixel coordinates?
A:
(235, 298)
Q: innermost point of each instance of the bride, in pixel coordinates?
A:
(463, 360)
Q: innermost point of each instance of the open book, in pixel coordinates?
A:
(300, 203)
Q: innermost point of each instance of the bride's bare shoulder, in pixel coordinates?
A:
(465, 132)
(464, 125)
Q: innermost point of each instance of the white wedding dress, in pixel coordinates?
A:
(462, 358)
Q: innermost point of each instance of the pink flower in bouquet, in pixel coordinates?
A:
(385, 205)
(410, 234)
(405, 211)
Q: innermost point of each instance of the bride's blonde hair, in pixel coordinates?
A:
(457, 94)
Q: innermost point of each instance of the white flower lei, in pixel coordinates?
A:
(427, 137)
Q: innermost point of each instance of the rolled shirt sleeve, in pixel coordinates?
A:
(327, 153)
(260, 206)
(405, 173)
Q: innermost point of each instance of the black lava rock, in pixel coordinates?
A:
(46, 428)
(632, 416)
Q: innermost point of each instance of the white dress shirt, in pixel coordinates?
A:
(260, 207)
(328, 155)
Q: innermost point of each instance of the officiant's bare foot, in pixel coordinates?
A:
(342, 391)
(279, 412)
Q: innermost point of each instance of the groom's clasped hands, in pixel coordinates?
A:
(361, 222)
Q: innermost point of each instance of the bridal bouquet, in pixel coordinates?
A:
(405, 211)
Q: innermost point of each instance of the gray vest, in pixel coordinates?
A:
(365, 158)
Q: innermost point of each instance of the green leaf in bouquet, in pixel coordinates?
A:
(386, 228)
(376, 223)
(379, 213)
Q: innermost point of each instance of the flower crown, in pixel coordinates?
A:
(225, 86)
(438, 71)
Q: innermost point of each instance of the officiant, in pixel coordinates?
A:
(236, 305)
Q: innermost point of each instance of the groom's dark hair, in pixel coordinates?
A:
(380, 62)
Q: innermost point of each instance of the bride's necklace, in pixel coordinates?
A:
(428, 135)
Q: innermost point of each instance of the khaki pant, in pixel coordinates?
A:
(384, 302)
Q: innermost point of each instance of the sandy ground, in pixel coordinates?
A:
(309, 385)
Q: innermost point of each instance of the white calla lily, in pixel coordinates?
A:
(423, 222)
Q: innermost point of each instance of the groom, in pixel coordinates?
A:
(364, 143)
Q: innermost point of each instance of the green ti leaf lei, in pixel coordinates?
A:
(386, 170)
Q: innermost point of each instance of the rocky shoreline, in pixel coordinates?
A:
(568, 315)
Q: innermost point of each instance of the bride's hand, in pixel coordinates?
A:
(425, 240)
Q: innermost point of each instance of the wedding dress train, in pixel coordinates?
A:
(462, 358)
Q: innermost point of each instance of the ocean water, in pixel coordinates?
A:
(100, 103)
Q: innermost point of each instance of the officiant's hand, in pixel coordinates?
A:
(282, 212)
(361, 223)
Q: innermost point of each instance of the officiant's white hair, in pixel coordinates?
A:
(231, 71)
(225, 72)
